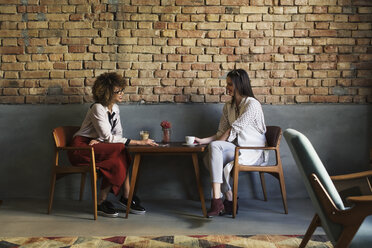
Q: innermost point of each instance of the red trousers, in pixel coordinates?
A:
(112, 160)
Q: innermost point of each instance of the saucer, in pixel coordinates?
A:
(185, 144)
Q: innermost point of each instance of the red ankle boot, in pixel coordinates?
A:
(217, 208)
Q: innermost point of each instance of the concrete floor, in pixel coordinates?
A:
(164, 217)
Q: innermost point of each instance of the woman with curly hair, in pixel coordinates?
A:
(102, 129)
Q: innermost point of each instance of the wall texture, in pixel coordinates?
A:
(341, 134)
(296, 51)
(315, 52)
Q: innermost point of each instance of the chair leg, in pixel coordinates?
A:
(235, 189)
(347, 235)
(93, 181)
(263, 185)
(51, 191)
(82, 186)
(283, 191)
(310, 230)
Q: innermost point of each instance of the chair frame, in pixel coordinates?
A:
(62, 136)
(275, 170)
(351, 219)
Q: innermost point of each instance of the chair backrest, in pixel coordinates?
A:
(308, 162)
(63, 135)
(273, 134)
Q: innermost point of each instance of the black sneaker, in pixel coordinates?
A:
(135, 207)
(107, 209)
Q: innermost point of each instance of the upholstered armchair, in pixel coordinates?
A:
(344, 226)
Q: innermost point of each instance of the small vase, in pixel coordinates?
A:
(166, 135)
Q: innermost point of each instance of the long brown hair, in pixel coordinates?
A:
(103, 88)
(242, 83)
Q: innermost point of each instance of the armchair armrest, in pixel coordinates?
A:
(362, 205)
(352, 175)
(361, 199)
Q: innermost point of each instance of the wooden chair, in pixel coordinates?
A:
(345, 226)
(62, 138)
(273, 135)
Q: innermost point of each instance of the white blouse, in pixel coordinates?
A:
(247, 129)
(102, 125)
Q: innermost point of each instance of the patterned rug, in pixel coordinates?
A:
(178, 241)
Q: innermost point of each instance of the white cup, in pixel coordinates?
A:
(190, 140)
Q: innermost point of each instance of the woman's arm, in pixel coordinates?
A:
(131, 142)
(252, 116)
(93, 142)
(224, 123)
(222, 132)
(102, 126)
(206, 140)
(143, 142)
(225, 135)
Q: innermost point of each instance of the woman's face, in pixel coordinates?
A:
(230, 89)
(118, 95)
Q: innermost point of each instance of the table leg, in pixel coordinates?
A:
(137, 159)
(201, 194)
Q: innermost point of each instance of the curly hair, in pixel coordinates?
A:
(103, 88)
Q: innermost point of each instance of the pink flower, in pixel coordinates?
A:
(165, 124)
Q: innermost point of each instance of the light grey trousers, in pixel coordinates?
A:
(220, 153)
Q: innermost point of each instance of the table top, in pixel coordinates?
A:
(172, 147)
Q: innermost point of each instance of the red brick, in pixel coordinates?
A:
(12, 99)
(37, 9)
(324, 99)
(189, 2)
(181, 99)
(160, 25)
(189, 58)
(323, 33)
(12, 50)
(77, 49)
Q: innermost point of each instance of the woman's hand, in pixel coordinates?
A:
(145, 142)
(205, 140)
(199, 140)
(93, 142)
(148, 142)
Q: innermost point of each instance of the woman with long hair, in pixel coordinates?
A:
(242, 124)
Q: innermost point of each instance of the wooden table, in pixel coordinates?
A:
(173, 148)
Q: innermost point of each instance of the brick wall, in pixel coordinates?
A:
(296, 51)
